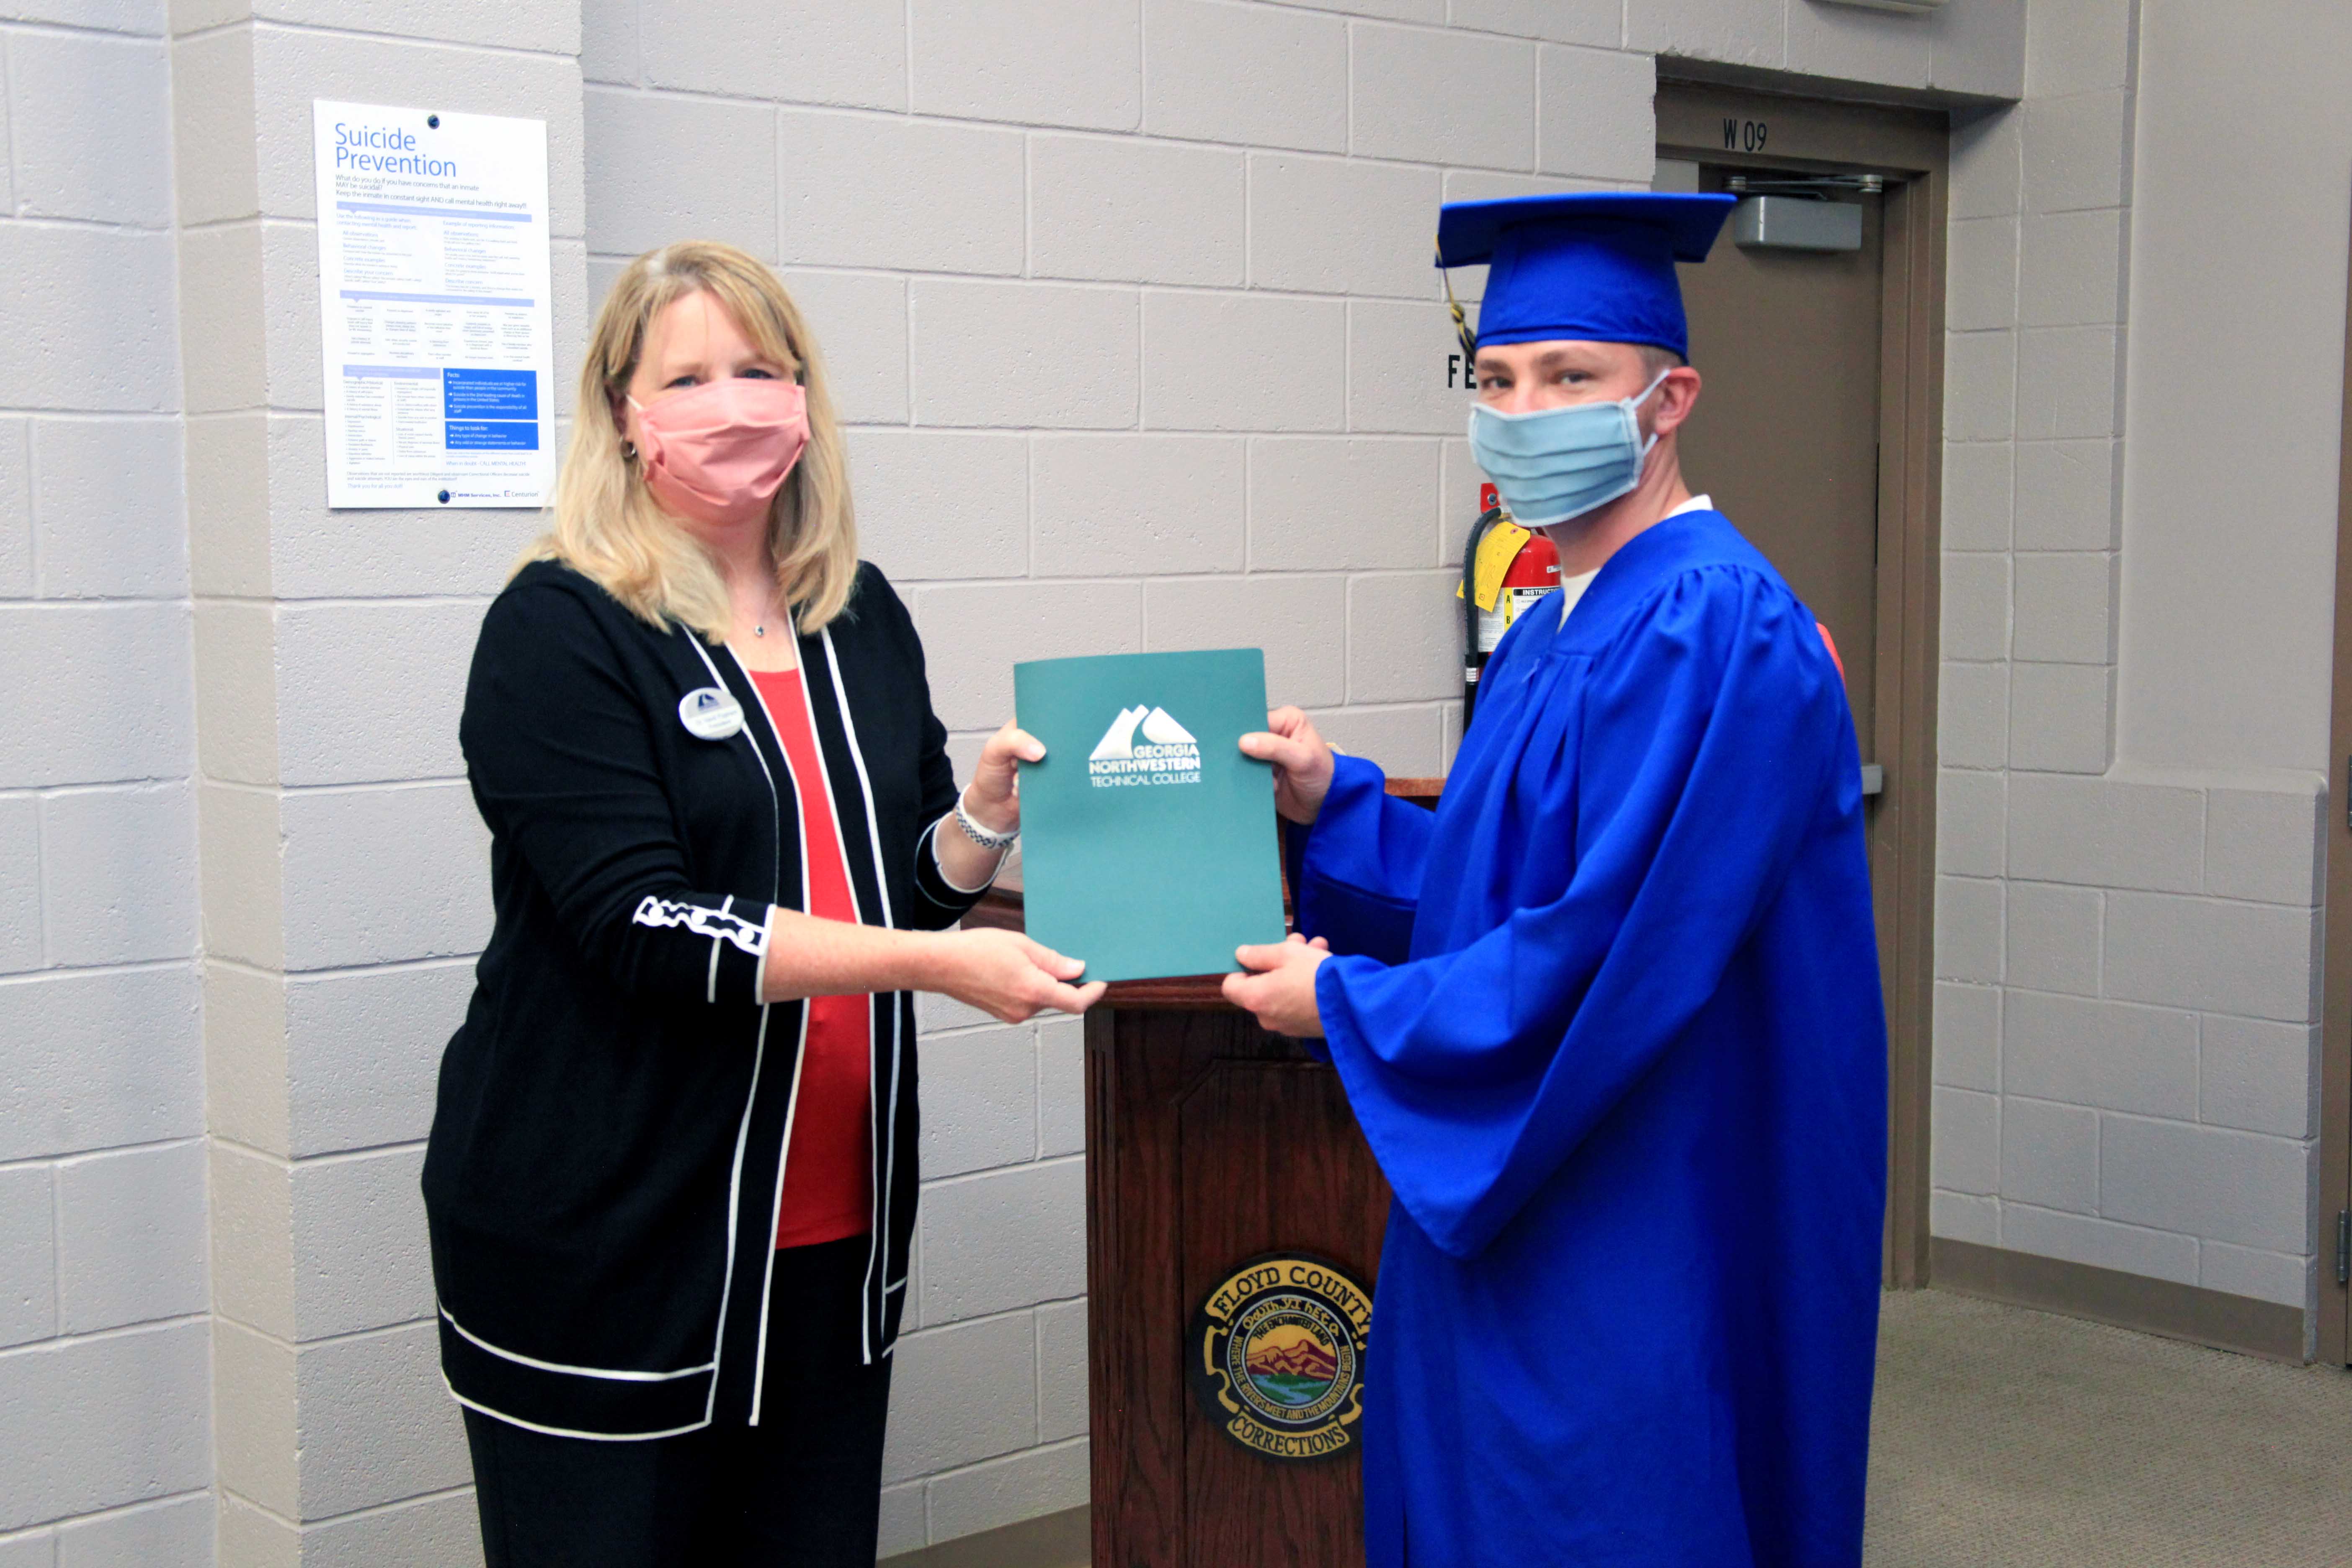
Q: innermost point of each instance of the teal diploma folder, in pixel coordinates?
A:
(1148, 845)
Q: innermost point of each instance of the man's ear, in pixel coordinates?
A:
(1674, 400)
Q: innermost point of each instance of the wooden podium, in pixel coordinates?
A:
(1210, 1143)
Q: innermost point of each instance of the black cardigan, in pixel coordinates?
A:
(608, 1144)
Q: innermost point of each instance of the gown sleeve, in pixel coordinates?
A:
(1356, 872)
(1709, 739)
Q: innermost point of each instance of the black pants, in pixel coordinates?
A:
(802, 1490)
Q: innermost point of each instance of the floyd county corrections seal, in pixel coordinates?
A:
(1278, 1356)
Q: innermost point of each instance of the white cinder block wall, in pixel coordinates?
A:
(345, 883)
(105, 1446)
(1128, 307)
(2135, 621)
(1137, 355)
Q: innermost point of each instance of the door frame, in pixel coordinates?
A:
(2335, 1325)
(1714, 123)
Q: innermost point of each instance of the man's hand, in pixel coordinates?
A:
(1280, 986)
(1301, 759)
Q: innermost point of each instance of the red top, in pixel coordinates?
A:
(828, 1166)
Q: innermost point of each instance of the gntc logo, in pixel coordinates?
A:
(1167, 755)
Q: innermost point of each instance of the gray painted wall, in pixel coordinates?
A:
(2145, 390)
(2244, 162)
(1128, 306)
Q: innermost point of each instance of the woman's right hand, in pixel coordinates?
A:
(1008, 976)
(1301, 759)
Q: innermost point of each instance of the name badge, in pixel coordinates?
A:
(710, 713)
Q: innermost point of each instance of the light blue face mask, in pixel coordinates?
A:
(1553, 464)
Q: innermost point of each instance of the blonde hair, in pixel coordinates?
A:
(607, 525)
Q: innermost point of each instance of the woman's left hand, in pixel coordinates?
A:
(993, 797)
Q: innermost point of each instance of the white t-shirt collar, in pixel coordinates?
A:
(1571, 589)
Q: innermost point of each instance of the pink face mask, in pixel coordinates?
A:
(718, 452)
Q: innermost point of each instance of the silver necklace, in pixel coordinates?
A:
(760, 627)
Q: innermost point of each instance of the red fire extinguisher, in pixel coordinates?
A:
(1506, 571)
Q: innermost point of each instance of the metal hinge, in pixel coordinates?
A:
(2344, 1246)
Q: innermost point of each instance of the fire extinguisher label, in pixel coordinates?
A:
(1509, 606)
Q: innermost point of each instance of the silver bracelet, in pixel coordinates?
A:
(981, 835)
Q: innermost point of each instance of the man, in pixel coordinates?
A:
(1610, 1018)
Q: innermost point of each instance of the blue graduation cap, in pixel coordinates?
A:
(1592, 264)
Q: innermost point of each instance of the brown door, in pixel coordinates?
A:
(1785, 436)
(1819, 433)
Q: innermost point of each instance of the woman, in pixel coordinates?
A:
(671, 1181)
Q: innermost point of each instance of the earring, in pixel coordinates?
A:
(628, 451)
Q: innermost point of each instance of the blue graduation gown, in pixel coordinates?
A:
(1610, 1022)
